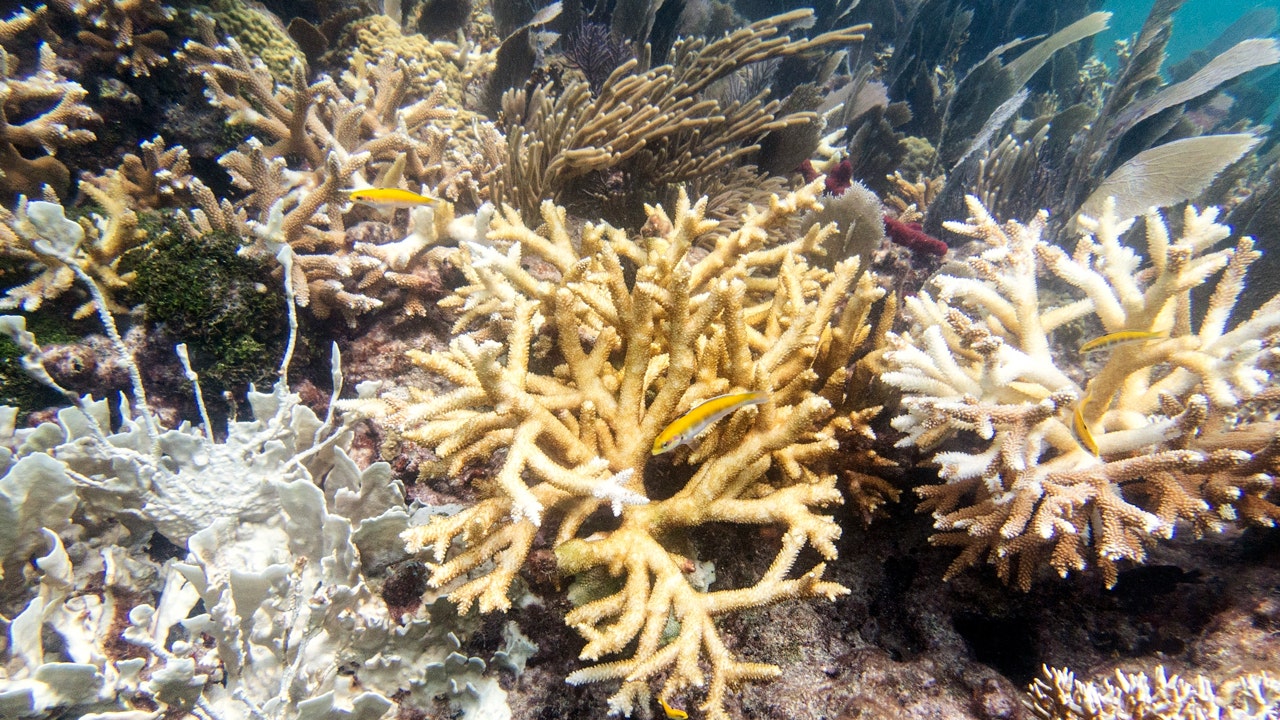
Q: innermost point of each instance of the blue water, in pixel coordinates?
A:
(1196, 24)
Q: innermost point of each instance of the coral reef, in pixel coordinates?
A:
(648, 129)
(124, 34)
(1060, 696)
(430, 64)
(40, 233)
(280, 527)
(259, 32)
(43, 110)
(608, 225)
(631, 357)
(369, 132)
(1092, 469)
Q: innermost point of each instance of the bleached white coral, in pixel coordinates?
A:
(270, 616)
(1068, 468)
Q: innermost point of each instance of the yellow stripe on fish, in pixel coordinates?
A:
(699, 418)
(1082, 428)
(1121, 338)
(672, 713)
(390, 198)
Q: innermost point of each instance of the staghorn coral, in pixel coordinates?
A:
(650, 128)
(1156, 696)
(40, 110)
(630, 357)
(729, 193)
(910, 199)
(158, 177)
(126, 34)
(1073, 470)
(40, 231)
(315, 140)
(18, 23)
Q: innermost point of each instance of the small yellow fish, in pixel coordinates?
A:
(672, 713)
(390, 198)
(1121, 338)
(699, 418)
(1082, 428)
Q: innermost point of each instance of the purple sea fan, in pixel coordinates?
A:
(597, 52)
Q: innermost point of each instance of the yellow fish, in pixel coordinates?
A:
(1121, 338)
(699, 418)
(390, 198)
(1082, 428)
(672, 713)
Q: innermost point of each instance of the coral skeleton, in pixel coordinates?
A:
(1072, 470)
(576, 441)
(268, 616)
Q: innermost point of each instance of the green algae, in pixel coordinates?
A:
(218, 302)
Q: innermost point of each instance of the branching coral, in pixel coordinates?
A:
(1072, 471)
(1157, 696)
(654, 127)
(41, 110)
(39, 231)
(128, 34)
(313, 120)
(18, 23)
(158, 177)
(630, 357)
(366, 131)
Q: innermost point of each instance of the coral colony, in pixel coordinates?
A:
(647, 310)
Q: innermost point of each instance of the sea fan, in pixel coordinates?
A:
(594, 50)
